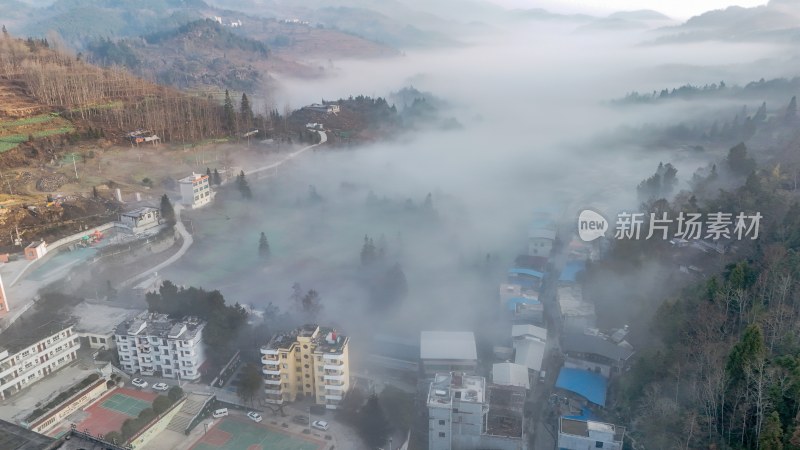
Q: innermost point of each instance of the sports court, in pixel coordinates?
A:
(108, 413)
(237, 433)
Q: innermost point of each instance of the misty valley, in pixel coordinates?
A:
(399, 225)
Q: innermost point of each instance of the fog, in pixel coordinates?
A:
(532, 99)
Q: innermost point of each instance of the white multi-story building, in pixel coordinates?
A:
(195, 190)
(574, 434)
(154, 344)
(466, 414)
(26, 359)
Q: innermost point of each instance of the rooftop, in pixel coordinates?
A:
(526, 330)
(571, 300)
(510, 374)
(447, 388)
(139, 211)
(542, 233)
(192, 178)
(524, 271)
(14, 437)
(529, 353)
(589, 385)
(571, 270)
(506, 411)
(161, 325)
(597, 345)
(18, 337)
(98, 318)
(326, 340)
(590, 428)
(453, 345)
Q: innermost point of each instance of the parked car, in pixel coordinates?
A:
(222, 412)
(302, 420)
(138, 382)
(160, 386)
(254, 416)
(320, 425)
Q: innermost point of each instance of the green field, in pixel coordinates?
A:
(233, 434)
(42, 118)
(11, 141)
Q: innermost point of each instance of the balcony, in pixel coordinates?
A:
(269, 361)
(332, 356)
(334, 377)
(335, 387)
(266, 371)
(271, 381)
(274, 401)
(272, 391)
(269, 351)
(333, 397)
(333, 367)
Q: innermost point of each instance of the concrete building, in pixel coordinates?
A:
(311, 362)
(141, 219)
(30, 354)
(448, 351)
(96, 323)
(465, 414)
(15, 437)
(575, 434)
(195, 190)
(510, 374)
(154, 344)
(540, 241)
(35, 250)
(595, 352)
(530, 343)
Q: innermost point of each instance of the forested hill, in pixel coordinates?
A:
(767, 90)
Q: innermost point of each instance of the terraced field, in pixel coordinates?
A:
(15, 131)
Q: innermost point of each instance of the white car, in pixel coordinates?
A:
(222, 412)
(160, 387)
(320, 425)
(254, 416)
(138, 382)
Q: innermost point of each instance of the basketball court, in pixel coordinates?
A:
(237, 433)
(108, 413)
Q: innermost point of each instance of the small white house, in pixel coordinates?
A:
(141, 219)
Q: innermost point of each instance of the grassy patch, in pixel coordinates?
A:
(116, 104)
(42, 118)
(9, 142)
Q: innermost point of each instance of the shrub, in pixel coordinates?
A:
(145, 417)
(175, 393)
(113, 437)
(161, 404)
(129, 428)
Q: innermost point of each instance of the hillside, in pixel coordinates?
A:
(205, 54)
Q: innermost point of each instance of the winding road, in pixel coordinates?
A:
(187, 237)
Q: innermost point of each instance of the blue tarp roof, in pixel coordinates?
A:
(512, 303)
(571, 270)
(589, 385)
(523, 282)
(523, 271)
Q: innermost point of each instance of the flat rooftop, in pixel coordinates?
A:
(586, 428)
(322, 337)
(447, 388)
(161, 325)
(452, 345)
(572, 304)
(14, 437)
(506, 411)
(19, 336)
(98, 318)
(139, 211)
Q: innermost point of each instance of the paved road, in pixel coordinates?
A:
(187, 237)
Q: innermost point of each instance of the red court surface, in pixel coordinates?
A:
(108, 414)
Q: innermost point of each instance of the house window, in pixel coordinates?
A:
(441, 422)
(598, 444)
(299, 378)
(441, 434)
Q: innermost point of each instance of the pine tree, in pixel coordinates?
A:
(229, 114)
(791, 110)
(372, 423)
(368, 253)
(772, 433)
(94, 192)
(167, 212)
(246, 111)
(263, 246)
(208, 172)
(243, 185)
(5, 32)
(761, 114)
(215, 178)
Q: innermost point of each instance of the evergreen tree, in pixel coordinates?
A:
(738, 161)
(243, 186)
(5, 32)
(94, 192)
(208, 172)
(372, 423)
(761, 114)
(263, 246)
(167, 212)
(246, 111)
(772, 433)
(791, 110)
(368, 252)
(229, 114)
(215, 178)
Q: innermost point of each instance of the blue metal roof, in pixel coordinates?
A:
(571, 271)
(512, 303)
(585, 415)
(589, 385)
(523, 271)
